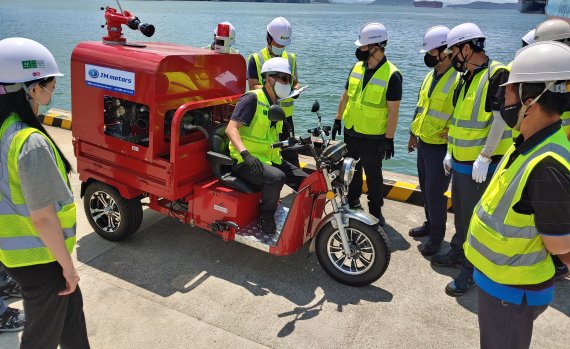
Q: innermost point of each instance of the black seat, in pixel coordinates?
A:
(221, 162)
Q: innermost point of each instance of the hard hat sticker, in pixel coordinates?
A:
(110, 79)
(33, 64)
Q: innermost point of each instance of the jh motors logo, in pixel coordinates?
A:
(93, 73)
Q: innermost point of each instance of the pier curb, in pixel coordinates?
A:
(56, 118)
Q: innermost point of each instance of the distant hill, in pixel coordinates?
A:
(488, 5)
(393, 2)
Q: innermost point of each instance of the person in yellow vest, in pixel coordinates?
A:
(558, 30)
(477, 139)
(369, 107)
(251, 135)
(278, 37)
(428, 133)
(223, 42)
(37, 210)
(522, 218)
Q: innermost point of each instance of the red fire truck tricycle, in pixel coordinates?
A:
(149, 122)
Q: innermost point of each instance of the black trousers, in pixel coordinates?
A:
(504, 325)
(369, 151)
(434, 184)
(291, 156)
(51, 320)
(465, 193)
(271, 181)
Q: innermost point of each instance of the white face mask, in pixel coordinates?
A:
(281, 90)
(278, 51)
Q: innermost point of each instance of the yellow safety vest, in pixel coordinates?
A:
(434, 113)
(260, 58)
(20, 244)
(470, 123)
(366, 111)
(503, 244)
(260, 135)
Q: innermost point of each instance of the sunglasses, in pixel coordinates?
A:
(286, 78)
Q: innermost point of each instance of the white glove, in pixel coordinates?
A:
(480, 169)
(447, 164)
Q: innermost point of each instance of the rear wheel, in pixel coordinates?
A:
(369, 253)
(110, 215)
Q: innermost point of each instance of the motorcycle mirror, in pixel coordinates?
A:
(316, 107)
(276, 113)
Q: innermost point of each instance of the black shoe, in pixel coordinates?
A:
(419, 232)
(267, 224)
(461, 284)
(12, 320)
(560, 272)
(11, 289)
(429, 248)
(381, 220)
(355, 206)
(451, 259)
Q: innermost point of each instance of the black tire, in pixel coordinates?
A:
(111, 216)
(375, 241)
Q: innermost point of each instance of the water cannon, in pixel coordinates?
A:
(116, 19)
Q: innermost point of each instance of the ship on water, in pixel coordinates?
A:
(558, 9)
(532, 6)
(432, 4)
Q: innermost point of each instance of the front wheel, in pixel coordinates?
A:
(111, 216)
(369, 253)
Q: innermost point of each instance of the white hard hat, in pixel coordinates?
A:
(276, 65)
(231, 35)
(23, 60)
(543, 61)
(371, 33)
(463, 33)
(528, 38)
(552, 29)
(280, 30)
(434, 37)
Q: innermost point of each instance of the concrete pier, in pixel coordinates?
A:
(173, 286)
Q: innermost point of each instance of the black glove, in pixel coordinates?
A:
(254, 164)
(388, 149)
(337, 128)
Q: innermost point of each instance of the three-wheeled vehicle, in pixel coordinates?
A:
(149, 122)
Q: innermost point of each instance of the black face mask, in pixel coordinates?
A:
(431, 61)
(511, 114)
(457, 64)
(362, 55)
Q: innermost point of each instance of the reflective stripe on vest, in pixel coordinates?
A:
(566, 121)
(366, 111)
(501, 243)
(470, 123)
(434, 112)
(20, 244)
(259, 135)
(260, 58)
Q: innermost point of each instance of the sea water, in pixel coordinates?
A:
(323, 40)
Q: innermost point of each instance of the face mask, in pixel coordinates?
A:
(431, 61)
(281, 90)
(512, 115)
(43, 108)
(457, 64)
(362, 55)
(278, 51)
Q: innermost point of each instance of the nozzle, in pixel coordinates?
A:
(145, 28)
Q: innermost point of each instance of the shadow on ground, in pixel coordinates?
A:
(170, 257)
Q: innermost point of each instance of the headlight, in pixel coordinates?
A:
(347, 170)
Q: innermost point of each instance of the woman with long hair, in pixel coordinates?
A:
(37, 210)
